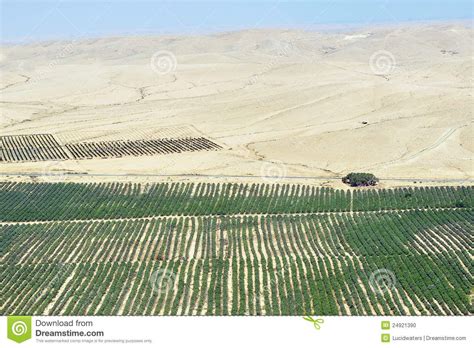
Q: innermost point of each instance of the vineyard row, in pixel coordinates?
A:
(223, 265)
(79, 201)
(46, 147)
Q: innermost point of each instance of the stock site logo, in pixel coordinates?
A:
(19, 328)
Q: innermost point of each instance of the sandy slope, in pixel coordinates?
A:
(296, 99)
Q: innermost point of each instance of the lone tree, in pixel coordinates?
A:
(360, 179)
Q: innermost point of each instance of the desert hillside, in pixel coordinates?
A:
(394, 101)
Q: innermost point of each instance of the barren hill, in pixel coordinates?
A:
(395, 101)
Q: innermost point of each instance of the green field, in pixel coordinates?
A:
(234, 249)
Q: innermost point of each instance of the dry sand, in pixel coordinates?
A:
(396, 101)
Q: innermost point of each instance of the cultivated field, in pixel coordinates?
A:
(35, 147)
(118, 149)
(234, 249)
(284, 107)
(46, 147)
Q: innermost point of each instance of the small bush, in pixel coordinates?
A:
(360, 179)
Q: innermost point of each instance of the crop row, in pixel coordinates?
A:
(111, 149)
(72, 201)
(46, 147)
(35, 147)
(241, 265)
(421, 197)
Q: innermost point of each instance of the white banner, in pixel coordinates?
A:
(236, 331)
